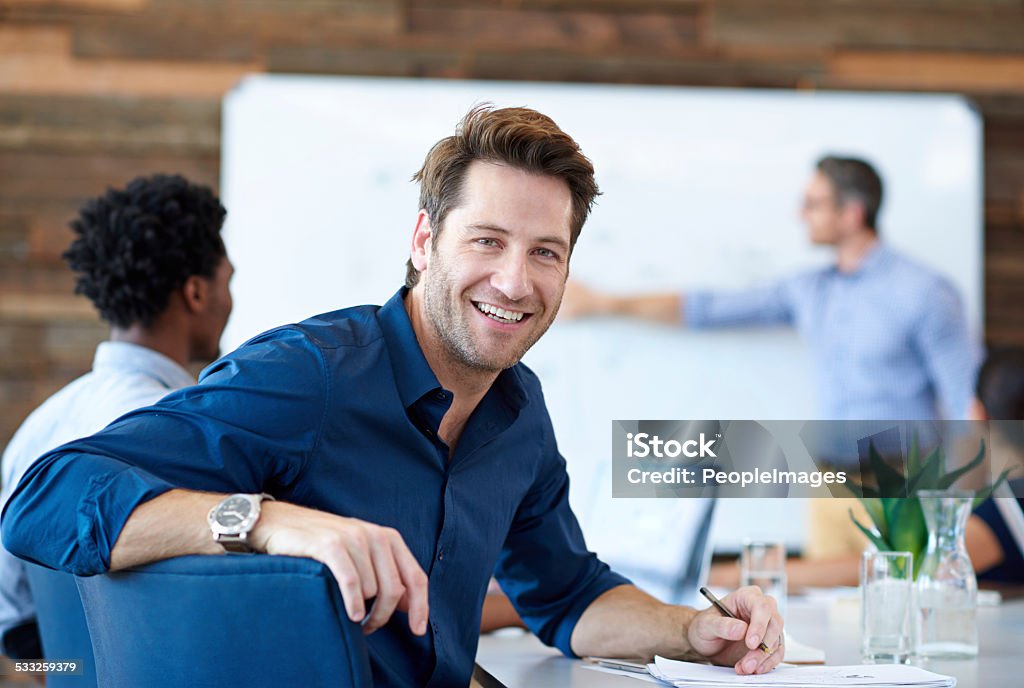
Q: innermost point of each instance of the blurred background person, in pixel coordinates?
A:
(887, 337)
(994, 550)
(151, 260)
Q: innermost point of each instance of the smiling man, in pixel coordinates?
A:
(406, 446)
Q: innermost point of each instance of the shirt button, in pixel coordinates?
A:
(440, 555)
(441, 396)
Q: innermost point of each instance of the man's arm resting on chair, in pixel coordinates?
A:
(627, 622)
(367, 560)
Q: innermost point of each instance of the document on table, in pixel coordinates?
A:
(798, 653)
(869, 675)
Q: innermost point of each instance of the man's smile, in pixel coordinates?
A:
(499, 314)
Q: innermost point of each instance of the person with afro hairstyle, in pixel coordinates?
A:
(151, 259)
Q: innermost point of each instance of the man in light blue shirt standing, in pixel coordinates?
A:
(151, 259)
(887, 335)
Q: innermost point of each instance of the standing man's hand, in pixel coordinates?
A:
(579, 301)
(736, 641)
(367, 560)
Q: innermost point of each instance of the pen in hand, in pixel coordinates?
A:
(722, 608)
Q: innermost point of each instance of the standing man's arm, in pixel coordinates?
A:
(949, 352)
(627, 622)
(768, 305)
(580, 301)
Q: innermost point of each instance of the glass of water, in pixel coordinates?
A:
(886, 584)
(763, 563)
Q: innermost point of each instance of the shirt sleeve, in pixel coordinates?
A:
(1011, 568)
(948, 351)
(766, 305)
(545, 567)
(248, 426)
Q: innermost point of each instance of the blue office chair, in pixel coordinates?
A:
(62, 626)
(231, 620)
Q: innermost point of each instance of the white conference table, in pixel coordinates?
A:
(521, 660)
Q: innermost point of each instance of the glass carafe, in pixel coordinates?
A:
(946, 588)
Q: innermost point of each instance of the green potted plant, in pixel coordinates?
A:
(895, 509)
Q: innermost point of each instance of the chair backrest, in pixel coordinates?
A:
(62, 626)
(237, 619)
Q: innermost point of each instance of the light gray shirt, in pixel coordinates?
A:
(124, 377)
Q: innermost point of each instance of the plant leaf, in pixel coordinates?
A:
(914, 456)
(951, 477)
(908, 531)
(985, 492)
(877, 540)
(876, 512)
(928, 477)
(890, 482)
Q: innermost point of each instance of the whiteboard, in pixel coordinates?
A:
(701, 188)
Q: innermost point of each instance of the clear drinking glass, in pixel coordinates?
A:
(886, 589)
(947, 589)
(763, 563)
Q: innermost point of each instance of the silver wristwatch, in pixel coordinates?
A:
(233, 519)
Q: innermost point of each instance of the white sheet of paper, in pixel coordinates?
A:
(874, 675)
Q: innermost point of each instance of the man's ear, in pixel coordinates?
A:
(422, 238)
(194, 293)
(853, 214)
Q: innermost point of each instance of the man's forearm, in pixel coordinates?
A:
(664, 308)
(627, 622)
(173, 524)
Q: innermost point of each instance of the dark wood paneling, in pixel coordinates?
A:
(45, 177)
(109, 124)
(830, 24)
(567, 31)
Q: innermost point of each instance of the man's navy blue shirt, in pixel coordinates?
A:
(341, 413)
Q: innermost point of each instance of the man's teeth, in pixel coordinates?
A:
(499, 314)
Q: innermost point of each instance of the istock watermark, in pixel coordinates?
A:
(748, 458)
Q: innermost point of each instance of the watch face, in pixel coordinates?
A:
(233, 514)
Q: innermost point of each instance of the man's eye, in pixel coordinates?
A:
(487, 242)
(546, 253)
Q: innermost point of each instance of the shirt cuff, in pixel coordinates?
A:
(695, 308)
(563, 634)
(109, 499)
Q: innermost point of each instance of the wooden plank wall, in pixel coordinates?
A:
(94, 92)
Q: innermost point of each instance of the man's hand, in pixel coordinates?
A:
(579, 301)
(367, 560)
(736, 641)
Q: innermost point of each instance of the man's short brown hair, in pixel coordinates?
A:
(855, 180)
(519, 137)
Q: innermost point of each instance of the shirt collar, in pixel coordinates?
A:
(413, 375)
(127, 357)
(875, 258)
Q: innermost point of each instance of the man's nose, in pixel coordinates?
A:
(512, 278)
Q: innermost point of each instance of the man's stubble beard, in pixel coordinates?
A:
(447, 317)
